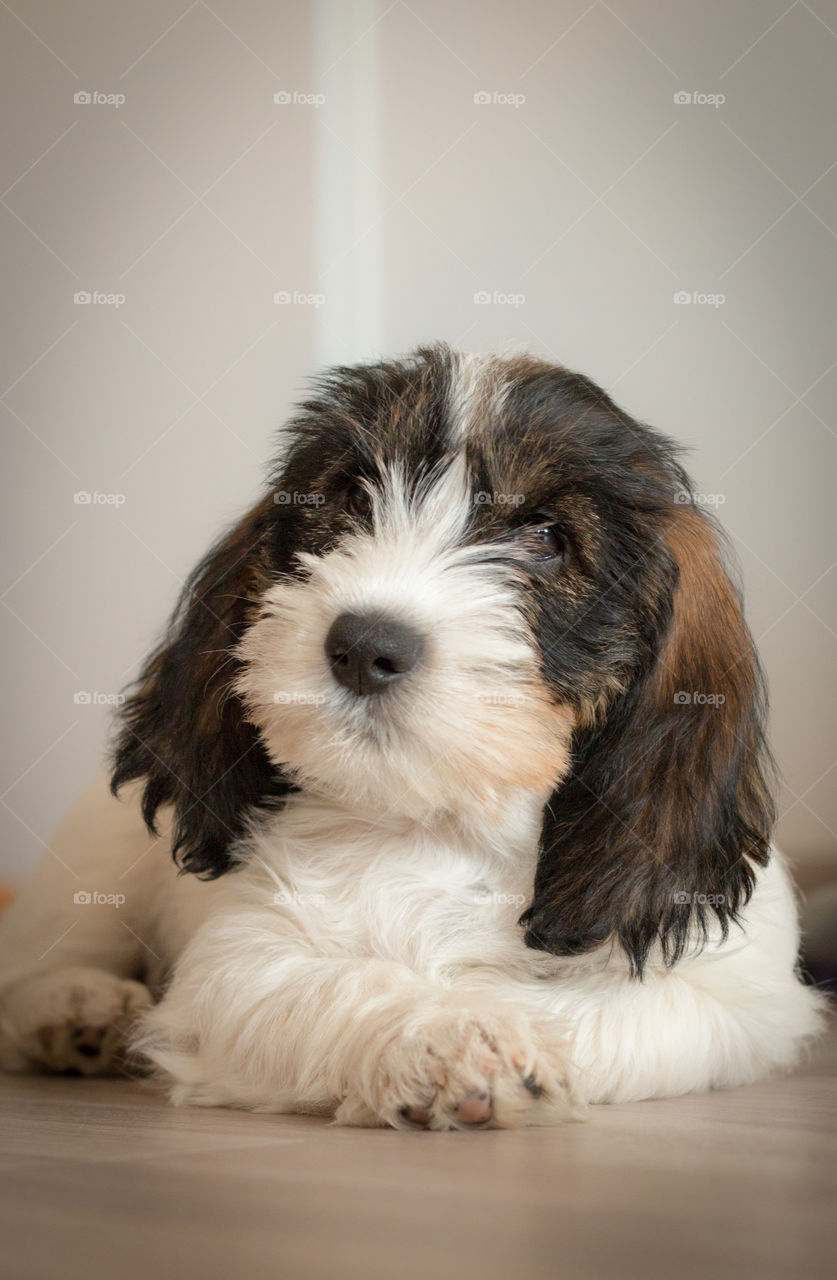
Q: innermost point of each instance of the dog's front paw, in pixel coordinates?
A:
(70, 1020)
(463, 1066)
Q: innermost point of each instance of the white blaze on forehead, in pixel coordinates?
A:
(435, 511)
(411, 560)
(477, 380)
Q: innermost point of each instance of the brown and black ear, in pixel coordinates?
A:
(667, 808)
(183, 730)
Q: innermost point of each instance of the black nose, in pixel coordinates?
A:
(367, 653)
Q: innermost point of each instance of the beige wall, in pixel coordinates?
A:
(581, 190)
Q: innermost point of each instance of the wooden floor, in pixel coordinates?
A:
(102, 1180)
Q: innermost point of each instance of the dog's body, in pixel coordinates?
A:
(288, 1021)
(396, 718)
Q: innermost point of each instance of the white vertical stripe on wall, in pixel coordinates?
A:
(349, 204)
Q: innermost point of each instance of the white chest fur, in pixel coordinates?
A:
(435, 896)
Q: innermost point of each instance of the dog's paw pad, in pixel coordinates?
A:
(474, 1109)
(466, 1065)
(88, 1041)
(75, 1020)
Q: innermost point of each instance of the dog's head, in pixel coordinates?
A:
(473, 577)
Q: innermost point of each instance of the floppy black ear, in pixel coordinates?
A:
(183, 730)
(667, 807)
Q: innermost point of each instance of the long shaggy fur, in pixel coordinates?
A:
(534, 871)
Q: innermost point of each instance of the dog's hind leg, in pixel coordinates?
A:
(77, 938)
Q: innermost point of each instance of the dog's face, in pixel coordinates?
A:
(473, 578)
(395, 669)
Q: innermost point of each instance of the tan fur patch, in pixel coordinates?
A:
(709, 640)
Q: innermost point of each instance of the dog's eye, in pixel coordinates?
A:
(542, 541)
(357, 501)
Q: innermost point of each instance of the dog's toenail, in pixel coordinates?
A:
(419, 1117)
(532, 1085)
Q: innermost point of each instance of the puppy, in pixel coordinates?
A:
(458, 736)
